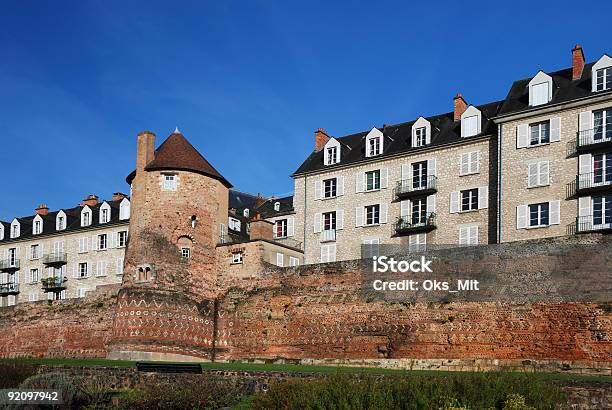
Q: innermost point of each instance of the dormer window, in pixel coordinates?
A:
(602, 74)
(540, 89)
(169, 182)
(540, 94)
(245, 213)
(277, 206)
(331, 152)
(124, 209)
(421, 133)
(37, 227)
(60, 221)
(15, 229)
(374, 143)
(105, 212)
(471, 121)
(86, 216)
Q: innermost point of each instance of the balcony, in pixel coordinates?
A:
(54, 284)
(585, 224)
(7, 289)
(406, 188)
(593, 139)
(407, 224)
(10, 265)
(328, 235)
(593, 182)
(55, 259)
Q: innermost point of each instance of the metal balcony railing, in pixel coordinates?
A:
(54, 283)
(594, 136)
(594, 180)
(9, 265)
(424, 222)
(9, 289)
(55, 258)
(590, 223)
(407, 187)
(328, 235)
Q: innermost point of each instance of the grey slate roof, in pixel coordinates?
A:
(267, 208)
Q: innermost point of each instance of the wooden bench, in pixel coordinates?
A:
(168, 367)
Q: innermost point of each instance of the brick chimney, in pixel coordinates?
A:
(145, 149)
(118, 196)
(321, 138)
(259, 201)
(42, 210)
(460, 106)
(91, 200)
(261, 229)
(577, 62)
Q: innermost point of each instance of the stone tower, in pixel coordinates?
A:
(179, 209)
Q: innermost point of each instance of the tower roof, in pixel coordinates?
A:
(176, 153)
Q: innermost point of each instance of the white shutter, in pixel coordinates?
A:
(532, 174)
(464, 164)
(483, 197)
(454, 202)
(522, 135)
(555, 129)
(290, 226)
(427, 135)
(405, 171)
(474, 161)
(280, 259)
(473, 235)
(340, 188)
(584, 121)
(359, 216)
(555, 216)
(521, 216)
(75, 270)
(384, 208)
(318, 190)
(463, 235)
(359, 181)
(584, 164)
(544, 173)
(94, 243)
(384, 177)
(340, 219)
(478, 155)
(431, 204)
(584, 206)
(112, 240)
(431, 167)
(405, 209)
(317, 222)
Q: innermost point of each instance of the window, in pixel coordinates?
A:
(540, 133)
(418, 213)
(12, 256)
(34, 252)
(373, 146)
(185, 253)
(470, 126)
(33, 297)
(60, 223)
(124, 209)
(602, 210)
(417, 243)
(277, 206)
(370, 248)
(234, 224)
(538, 174)
(329, 221)
(37, 227)
(119, 266)
(121, 239)
(34, 275)
(469, 199)
(372, 214)
(15, 229)
(86, 217)
(328, 253)
(419, 175)
(603, 79)
(540, 93)
(469, 163)
(104, 215)
(293, 261)
(80, 293)
(539, 214)
(330, 188)
(372, 180)
(236, 258)
(101, 268)
(280, 228)
(468, 235)
(102, 242)
(331, 155)
(83, 244)
(169, 182)
(602, 121)
(82, 273)
(280, 259)
(420, 136)
(602, 169)
(245, 213)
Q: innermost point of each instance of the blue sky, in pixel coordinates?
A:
(248, 82)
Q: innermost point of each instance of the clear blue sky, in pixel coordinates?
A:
(248, 82)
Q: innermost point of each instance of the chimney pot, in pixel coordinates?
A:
(91, 200)
(577, 62)
(459, 106)
(321, 138)
(118, 196)
(42, 209)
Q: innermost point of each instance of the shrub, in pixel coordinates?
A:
(71, 395)
(11, 374)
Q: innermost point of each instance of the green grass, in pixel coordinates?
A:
(291, 368)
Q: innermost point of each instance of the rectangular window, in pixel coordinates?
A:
(603, 79)
(80, 293)
(293, 261)
(370, 248)
(37, 227)
(104, 216)
(12, 256)
(236, 258)
(330, 188)
(34, 252)
(185, 253)
(372, 180)
(34, 275)
(329, 221)
(417, 243)
(33, 297)
(328, 253)
(121, 239)
(602, 125)
(419, 175)
(372, 213)
(470, 126)
(280, 259)
(85, 219)
(540, 94)
(61, 223)
(83, 271)
(101, 268)
(373, 147)
(602, 211)
(280, 228)
(332, 155)
(420, 136)
(538, 174)
(83, 244)
(119, 266)
(102, 242)
(418, 213)
(539, 214)
(540, 133)
(468, 163)
(469, 199)
(468, 235)
(234, 224)
(169, 182)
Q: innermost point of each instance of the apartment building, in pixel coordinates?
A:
(555, 155)
(63, 254)
(426, 181)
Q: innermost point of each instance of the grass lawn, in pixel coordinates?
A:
(268, 367)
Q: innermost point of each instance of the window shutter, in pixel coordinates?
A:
(483, 197)
(454, 202)
(544, 173)
(340, 219)
(428, 135)
(290, 226)
(463, 235)
(555, 129)
(94, 243)
(359, 181)
(584, 206)
(359, 216)
(405, 208)
(431, 204)
(280, 259)
(584, 164)
(340, 190)
(473, 235)
(431, 166)
(521, 217)
(384, 177)
(474, 161)
(318, 190)
(522, 136)
(405, 171)
(584, 121)
(112, 239)
(317, 223)
(478, 155)
(75, 270)
(464, 164)
(383, 213)
(532, 174)
(555, 216)
(414, 143)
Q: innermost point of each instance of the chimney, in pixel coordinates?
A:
(42, 210)
(321, 138)
(118, 196)
(577, 62)
(91, 200)
(460, 106)
(145, 151)
(261, 229)
(259, 201)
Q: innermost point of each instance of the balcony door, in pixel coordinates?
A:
(419, 211)
(602, 212)
(602, 169)
(602, 121)
(419, 175)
